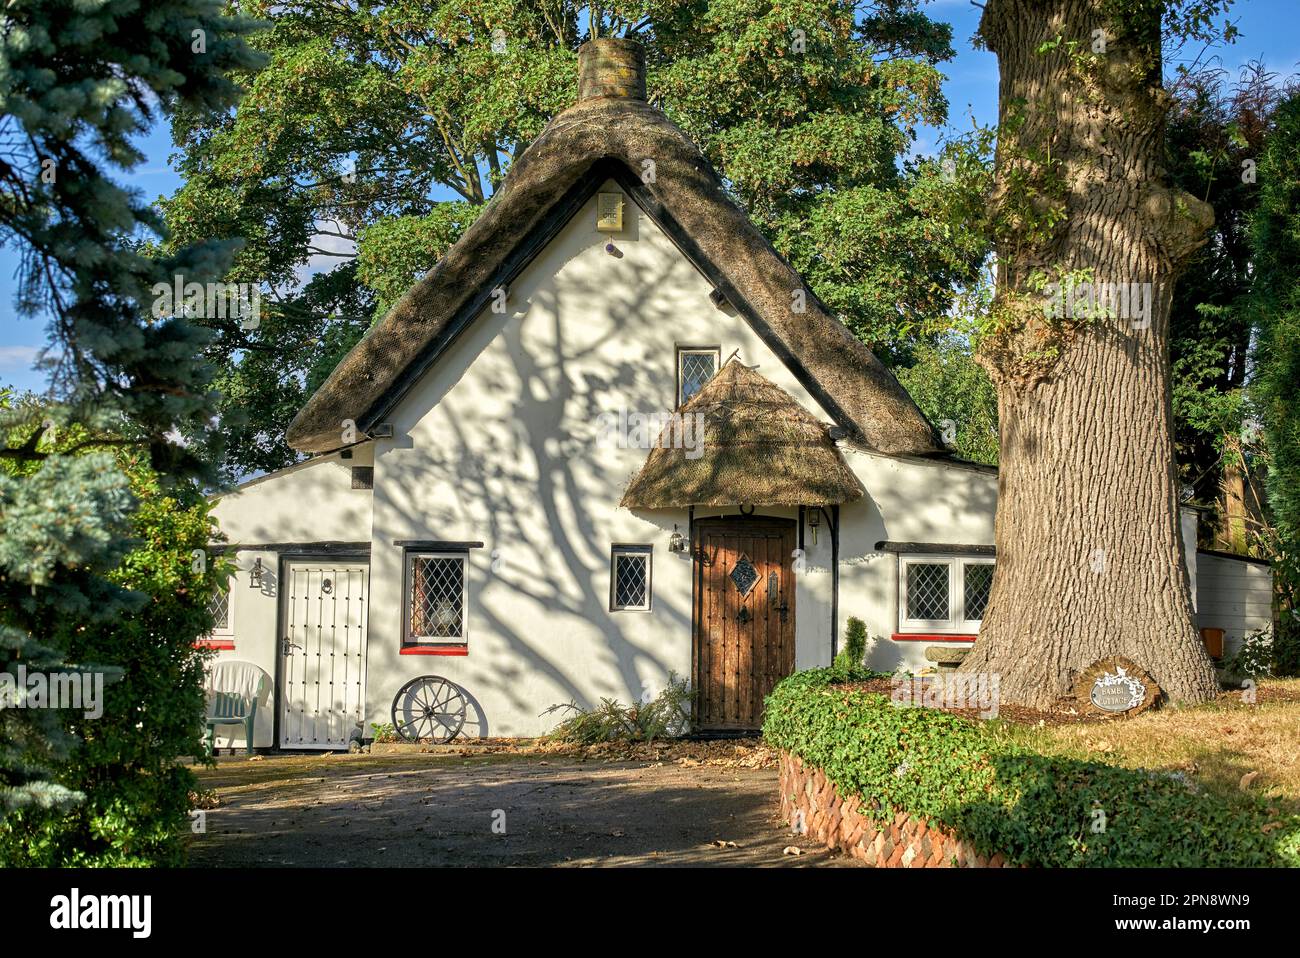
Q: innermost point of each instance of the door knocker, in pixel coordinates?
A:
(743, 615)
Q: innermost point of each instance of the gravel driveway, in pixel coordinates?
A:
(453, 810)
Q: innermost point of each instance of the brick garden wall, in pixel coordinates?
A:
(906, 842)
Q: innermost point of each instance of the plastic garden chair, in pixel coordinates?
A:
(234, 689)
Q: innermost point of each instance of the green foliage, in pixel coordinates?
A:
(137, 621)
(950, 387)
(299, 341)
(1254, 657)
(1275, 304)
(384, 732)
(1213, 137)
(78, 81)
(1276, 300)
(855, 646)
(395, 252)
(391, 126)
(1002, 797)
(668, 715)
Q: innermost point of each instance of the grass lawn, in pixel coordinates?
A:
(1229, 746)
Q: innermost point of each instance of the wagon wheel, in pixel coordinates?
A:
(430, 708)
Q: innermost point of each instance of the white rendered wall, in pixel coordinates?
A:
(497, 444)
(908, 500)
(308, 503)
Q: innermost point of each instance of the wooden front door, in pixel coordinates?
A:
(743, 617)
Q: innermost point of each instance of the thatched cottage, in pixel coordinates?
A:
(610, 437)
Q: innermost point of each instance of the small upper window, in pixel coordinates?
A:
(629, 579)
(695, 367)
(943, 593)
(435, 598)
(219, 606)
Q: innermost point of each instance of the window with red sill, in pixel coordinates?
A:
(435, 604)
(222, 636)
(942, 598)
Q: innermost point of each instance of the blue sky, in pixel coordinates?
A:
(1269, 32)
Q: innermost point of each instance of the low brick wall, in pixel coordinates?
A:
(906, 842)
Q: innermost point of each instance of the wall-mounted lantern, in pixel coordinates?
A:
(676, 541)
(814, 520)
(255, 575)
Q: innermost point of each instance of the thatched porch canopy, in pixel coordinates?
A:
(758, 447)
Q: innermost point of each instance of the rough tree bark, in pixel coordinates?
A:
(1089, 557)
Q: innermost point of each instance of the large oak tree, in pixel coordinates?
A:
(1090, 562)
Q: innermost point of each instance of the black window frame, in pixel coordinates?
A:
(631, 549)
(716, 350)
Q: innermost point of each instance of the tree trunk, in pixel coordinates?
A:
(1089, 561)
(1234, 507)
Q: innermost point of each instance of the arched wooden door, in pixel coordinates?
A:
(743, 619)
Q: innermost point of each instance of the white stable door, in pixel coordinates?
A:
(323, 652)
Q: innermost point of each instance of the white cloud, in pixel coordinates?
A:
(18, 357)
(330, 243)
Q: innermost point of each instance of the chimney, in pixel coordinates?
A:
(611, 67)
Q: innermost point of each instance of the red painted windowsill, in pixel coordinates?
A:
(434, 650)
(221, 645)
(931, 637)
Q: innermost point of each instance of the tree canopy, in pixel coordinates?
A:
(77, 82)
(374, 135)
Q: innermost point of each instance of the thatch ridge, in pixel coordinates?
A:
(860, 392)
(759, 447)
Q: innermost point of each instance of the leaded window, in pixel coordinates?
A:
(927, 591)
(435, 600)
(943, 593)
(629, 574)
(695, 367)
(219, 607)
(744, 575)
(977, 582)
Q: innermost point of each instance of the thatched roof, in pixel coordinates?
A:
(608, 135)
(760, 447)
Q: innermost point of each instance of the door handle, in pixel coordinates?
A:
(288, 644)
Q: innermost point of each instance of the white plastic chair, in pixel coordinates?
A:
(234, 689)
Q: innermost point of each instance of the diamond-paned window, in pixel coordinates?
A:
(630, 579)
(927, 591)
(695, 367)
(436, 602)
(219, 606)
(977, 583)
(744, 575)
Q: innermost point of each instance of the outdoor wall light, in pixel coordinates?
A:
(676, 541)
(255, 575)
(814, 520)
